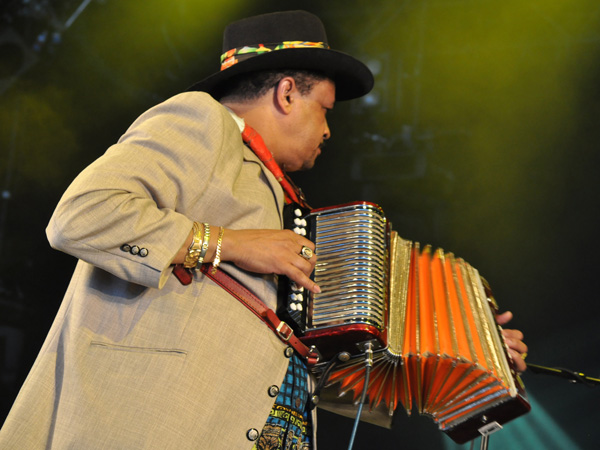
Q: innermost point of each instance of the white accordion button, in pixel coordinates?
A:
(300, 231)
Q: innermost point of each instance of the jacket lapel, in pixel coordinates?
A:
(275, 186)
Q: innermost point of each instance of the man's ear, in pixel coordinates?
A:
(284, 94)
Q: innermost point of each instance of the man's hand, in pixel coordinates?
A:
(514, 340)
(271, 251)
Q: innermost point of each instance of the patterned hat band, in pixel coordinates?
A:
(235, 55)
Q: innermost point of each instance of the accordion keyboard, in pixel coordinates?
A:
(351, 266)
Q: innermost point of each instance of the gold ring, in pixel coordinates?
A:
(306, 252)
(523, 356)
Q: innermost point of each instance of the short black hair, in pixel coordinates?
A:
(254, 85)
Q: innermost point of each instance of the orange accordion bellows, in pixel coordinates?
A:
(430, 315)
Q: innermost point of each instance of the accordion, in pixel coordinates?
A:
(429, 316)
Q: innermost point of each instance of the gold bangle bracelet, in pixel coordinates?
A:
(191, 257)
(217, 259)
(205, 242)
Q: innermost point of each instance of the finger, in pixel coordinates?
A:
(302, 279)
(302, 243)
(302, 263)
(513, 334)
(504, 318)
(516, 345)
(520, 364)
(297, 238)
(305, 241)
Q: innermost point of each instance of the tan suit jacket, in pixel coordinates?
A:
(134, 359)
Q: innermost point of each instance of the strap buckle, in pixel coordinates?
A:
(284, 331)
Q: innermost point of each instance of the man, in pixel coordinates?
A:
(141, 358)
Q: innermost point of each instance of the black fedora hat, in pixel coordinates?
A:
(282, 41)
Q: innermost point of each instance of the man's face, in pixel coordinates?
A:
(307, 127)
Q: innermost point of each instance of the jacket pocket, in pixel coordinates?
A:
(136, 349)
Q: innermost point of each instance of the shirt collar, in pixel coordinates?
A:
(240, 122)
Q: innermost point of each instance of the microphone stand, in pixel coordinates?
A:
(570, 375)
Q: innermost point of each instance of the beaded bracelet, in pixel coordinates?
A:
(217, 259)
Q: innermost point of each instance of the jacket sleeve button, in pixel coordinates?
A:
(252, 434)
(273, 391)
(134, 250)
(288, 352)
(126, 248)
(143, 252)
